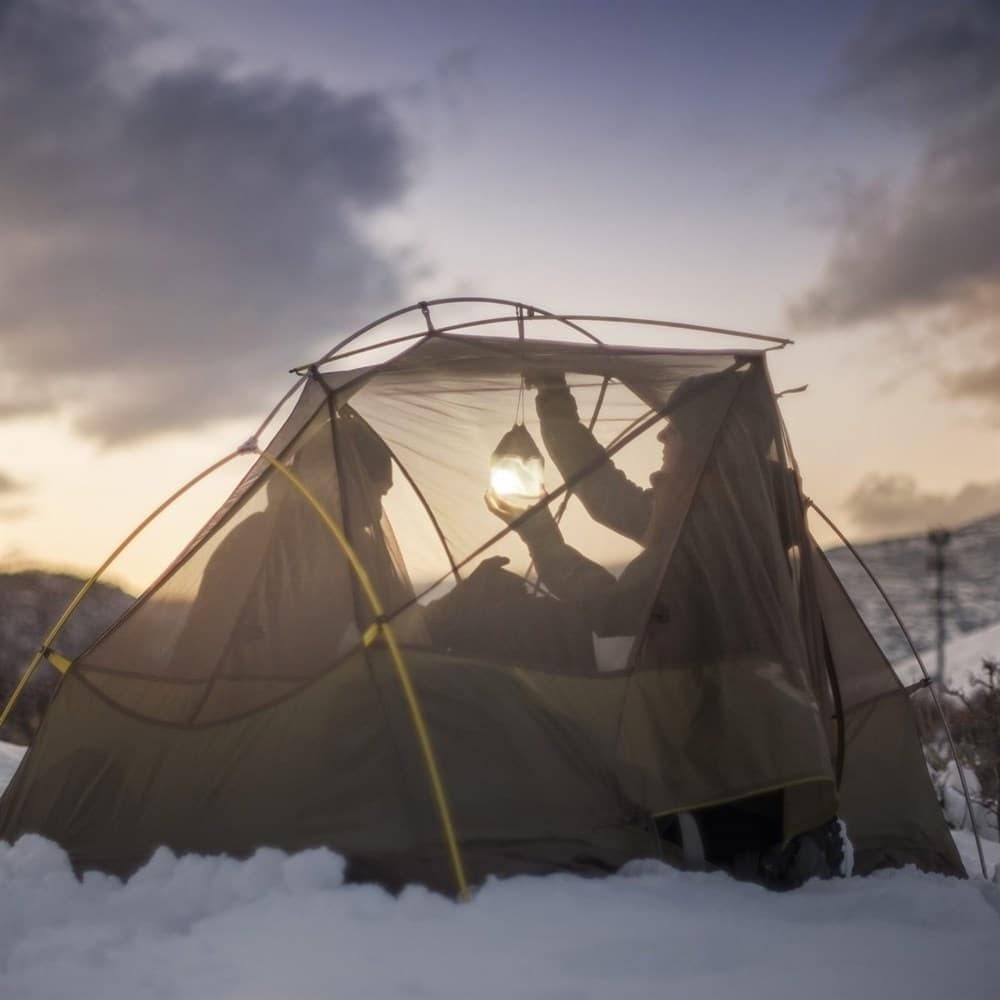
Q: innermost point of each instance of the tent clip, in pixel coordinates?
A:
(375, 630)
(60, 662)
(425, 309)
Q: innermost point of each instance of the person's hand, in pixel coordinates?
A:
(507, 512)
(485, 574)
(541, 380)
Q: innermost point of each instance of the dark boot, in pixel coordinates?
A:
(818, 853)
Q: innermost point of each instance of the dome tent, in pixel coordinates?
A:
(355, 653)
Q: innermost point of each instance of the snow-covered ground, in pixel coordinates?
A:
(277, 926)
(287, 927)
(963, 655)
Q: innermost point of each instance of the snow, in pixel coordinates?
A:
(279, 926)
(955, 806)
(963, 655)
(966, 844)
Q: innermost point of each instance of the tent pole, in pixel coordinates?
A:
(425, 306)
(928, 682)
(45, 649)
(572, 321)
(381, 626)
(435, 524)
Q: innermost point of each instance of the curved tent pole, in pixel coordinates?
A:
(673, 325)
(424, 306)
(449, 331)
(928, 682)
(381, 627)
(571, 320)
(45, 651)
(296, 385)
(391, 342)
(420, 496)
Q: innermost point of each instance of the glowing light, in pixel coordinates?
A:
(517, 468)
(513, 478)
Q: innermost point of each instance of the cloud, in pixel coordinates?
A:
(923, 60)
(925, 255)
(933, 244)
(173, 239)
(894, 505)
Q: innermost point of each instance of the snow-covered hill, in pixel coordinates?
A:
(31, 602)
(963, 656)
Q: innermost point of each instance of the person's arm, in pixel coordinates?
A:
(567, 573)
(611, 607)
(608, 495)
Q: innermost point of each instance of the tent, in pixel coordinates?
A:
(355, 652)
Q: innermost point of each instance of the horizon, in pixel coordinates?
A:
(122, 583)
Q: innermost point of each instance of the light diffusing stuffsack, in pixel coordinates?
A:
(517, 467)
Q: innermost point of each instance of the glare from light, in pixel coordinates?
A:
(513, 478)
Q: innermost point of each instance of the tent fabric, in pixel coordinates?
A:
(886, 797)
(627, 652)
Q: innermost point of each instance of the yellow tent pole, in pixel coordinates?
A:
(45, 649)
(382, 625)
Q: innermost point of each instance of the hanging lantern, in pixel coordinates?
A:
(517, 467)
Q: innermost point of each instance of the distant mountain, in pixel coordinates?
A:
(902, 567)
(30, 604)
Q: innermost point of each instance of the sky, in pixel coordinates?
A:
(196, 195)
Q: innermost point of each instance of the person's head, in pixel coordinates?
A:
(674, 449)
(372, 453)
(685, 413)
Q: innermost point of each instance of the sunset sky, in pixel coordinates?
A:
(196, 195)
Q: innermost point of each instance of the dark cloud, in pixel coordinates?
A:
(976, 383)
(922, 60)
(933, 245)
(172, 239)
(894, 505)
